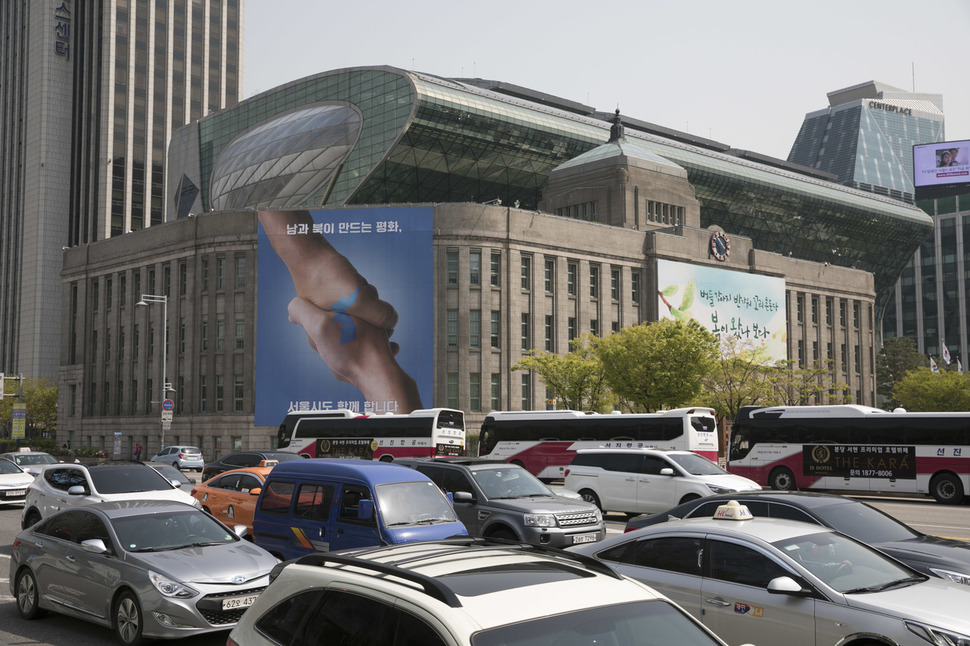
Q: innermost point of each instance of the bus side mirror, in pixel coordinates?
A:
(365, 509)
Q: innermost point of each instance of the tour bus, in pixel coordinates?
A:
(853, 448)
(342, 433)
(545, 441)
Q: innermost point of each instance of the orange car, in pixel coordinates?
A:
(231, 496)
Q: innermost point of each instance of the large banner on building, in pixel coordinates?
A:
(345, 311)
(728, 303)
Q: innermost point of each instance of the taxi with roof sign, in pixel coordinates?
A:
(231, 496)
(777, 581)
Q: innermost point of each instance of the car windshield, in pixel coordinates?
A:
(170, 531)
(413, 503)
(510, 482)
(6, 466)
(189, 449)
(844, 564)
(641, 623)
(127, 479)
(171, 473)
(864, 523)
(696, 465)
(29, 459)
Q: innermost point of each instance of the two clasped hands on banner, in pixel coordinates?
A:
(344, 318)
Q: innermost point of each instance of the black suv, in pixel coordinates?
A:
(496, 499)
(245, 459)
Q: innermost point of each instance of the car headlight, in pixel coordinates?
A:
(539, 520)
(956, 577)
(719, 489)
(196, 503)
(171, 588)
(598, 515)
(938, 636)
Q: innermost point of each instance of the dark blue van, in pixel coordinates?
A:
(327, 504)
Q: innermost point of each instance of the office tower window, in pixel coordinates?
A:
(526, 391)
(524, 328)
(451, 267)
(475, 392)
(635, 286)
(594, 281)
(451, 394)
(474, 267)
(526, 272)
(237, 394)
(220, 332)
(475, 328)
(571, 272)
(549, 276)
(496, 391)
(220, 392)
(496, 329)
(496, 270)
(240, 273)
(451, 328)
(240, 331)
(549, 333)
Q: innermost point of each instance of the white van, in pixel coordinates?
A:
(647, 481)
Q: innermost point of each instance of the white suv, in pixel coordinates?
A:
(647, 481)
(69, 485)
(461, 591)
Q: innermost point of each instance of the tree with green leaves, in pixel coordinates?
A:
(924, 390)
(652, 366)
(794, 386)
(738, 378)
(574, 379)
(40, 397)
(897, 357)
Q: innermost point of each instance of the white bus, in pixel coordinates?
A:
(545, 441)
(343, 433)
(853, 448)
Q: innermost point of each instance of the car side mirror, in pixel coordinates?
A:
(77, 490)
(666, 471)
(175, 483)
(463, 496)
(255, 492)
(365, 509)
(240, 530)
(787, 585)
(94, 546)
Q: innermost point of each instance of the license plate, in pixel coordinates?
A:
(585, 538)
(239, 602)
(15, 493)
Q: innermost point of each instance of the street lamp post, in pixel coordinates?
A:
(147, 299)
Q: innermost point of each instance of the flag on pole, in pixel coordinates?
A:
(933, 366)
(946, 354)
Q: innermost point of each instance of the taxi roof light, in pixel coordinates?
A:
(733, 510)
(268, 463)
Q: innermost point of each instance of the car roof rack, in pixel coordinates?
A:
(432, 586)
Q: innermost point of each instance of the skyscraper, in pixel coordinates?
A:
(90, 93)
(866, 135)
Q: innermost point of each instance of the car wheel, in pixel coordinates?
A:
(127, 619)
(28, 599)
(589, 496)
(31, 519)
(947, 489)
(688, 498)
(782, 479)
(176, 465)
(503, 533)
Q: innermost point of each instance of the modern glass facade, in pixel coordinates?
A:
(929, 302)
(428, 139)
(866, 137)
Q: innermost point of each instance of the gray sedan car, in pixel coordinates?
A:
(146, 569)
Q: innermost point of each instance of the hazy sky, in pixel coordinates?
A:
(741, 72)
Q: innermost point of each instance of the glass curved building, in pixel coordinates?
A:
(381, 135)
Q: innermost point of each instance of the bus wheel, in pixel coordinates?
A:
(947, 489)
(782, 480)
(589, 496)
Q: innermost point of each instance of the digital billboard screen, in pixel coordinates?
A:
(728, 303)
(941, 164)
(344, 311)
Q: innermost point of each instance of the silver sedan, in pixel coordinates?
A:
(146, 569)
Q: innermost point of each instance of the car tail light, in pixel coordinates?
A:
(630, 528)
(192, 493)
(231, 642)
(565, 473)
(16, 543)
